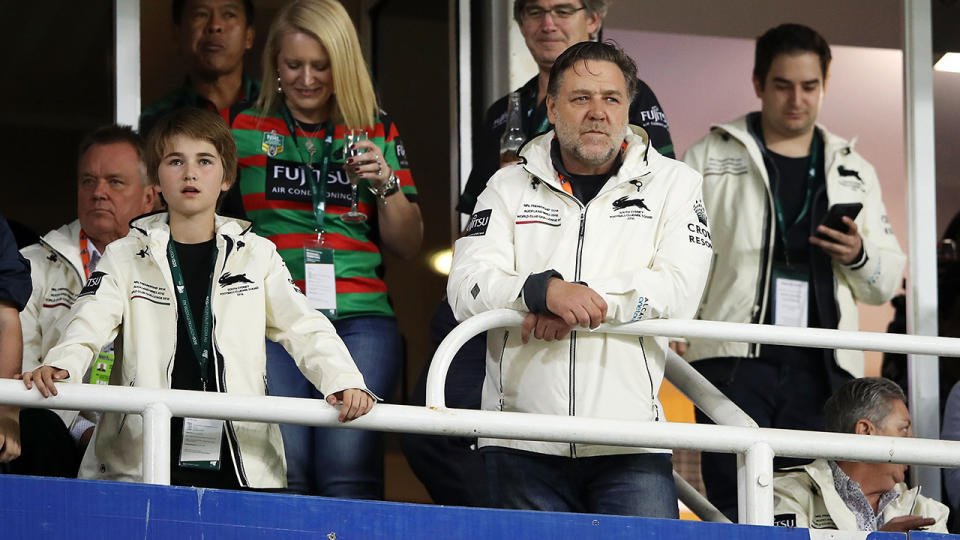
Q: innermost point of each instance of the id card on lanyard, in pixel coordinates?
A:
(104, 364)
(318, 260)
(200, 447)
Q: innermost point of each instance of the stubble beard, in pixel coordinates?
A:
(569, 139)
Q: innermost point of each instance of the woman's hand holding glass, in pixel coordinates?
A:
(368, 164)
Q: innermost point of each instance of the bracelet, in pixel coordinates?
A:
(391, 186)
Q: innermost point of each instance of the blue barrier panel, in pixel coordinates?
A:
(78, 509)
(921, 535)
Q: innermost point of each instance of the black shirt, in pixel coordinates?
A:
(788, 181)
(195, 263)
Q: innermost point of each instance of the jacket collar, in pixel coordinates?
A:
(739, 129)
(65, 240)
(153, 228)
(639, 159)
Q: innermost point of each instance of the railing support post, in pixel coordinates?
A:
(156, 444)
(758, 468)
(741, 489)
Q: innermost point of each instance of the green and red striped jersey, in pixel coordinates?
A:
(277, 199)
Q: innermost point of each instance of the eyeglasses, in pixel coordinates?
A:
(537, 13)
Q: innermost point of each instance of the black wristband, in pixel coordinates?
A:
(535, 290)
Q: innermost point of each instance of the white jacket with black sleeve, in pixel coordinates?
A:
(642, 243)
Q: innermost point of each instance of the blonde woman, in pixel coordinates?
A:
(294, 164)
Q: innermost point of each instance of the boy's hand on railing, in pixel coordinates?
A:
(544, 326)
(907, 523)
(354, 403)
(44, 377)
(9, 433)
(679, 347)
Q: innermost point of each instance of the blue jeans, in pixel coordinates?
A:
(333, 462)
(623, 484)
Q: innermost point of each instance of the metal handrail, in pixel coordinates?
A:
(712, 330)
(690, 382)
(757, 446)
(158, 405)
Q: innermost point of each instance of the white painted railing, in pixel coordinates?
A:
(757, 446)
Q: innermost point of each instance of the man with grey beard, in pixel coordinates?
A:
(592, 225)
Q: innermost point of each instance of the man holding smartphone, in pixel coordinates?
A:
(791, 247)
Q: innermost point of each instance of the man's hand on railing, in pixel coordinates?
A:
(575, 303)
(9, 433)
(355, 403)
(544, 326)
(44, 377)
(907, 523)
(679, 347)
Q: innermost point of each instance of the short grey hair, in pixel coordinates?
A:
(868, 398)
(116, 134)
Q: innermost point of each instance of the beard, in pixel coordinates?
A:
(568, 136)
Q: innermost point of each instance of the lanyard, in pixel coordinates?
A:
(200, 343)
(318, 185)
(811, 178)
(85, 253)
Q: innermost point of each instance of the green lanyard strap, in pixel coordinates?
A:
(200, 343)
(811, 178)
(317, 182)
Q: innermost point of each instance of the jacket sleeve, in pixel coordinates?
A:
(93, 320)
(930, 508)
(14, 270)
(30, 316)
(305, 333)
(483, 275)
(671, 286)
(875, 278)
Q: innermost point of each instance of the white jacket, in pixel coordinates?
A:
(56, 272)
(806, 497)
(133, 287)
(642, 243)
(736, 190)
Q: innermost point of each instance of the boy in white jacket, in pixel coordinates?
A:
(194, 294)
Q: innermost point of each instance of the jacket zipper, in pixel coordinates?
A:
(653, 398)
(572, 372)
(572, 407)
(233, 443)
(503, 349)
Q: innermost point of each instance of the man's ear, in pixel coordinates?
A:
(551, 105)
(149, 198)
(248, 38)
(864, 427)
(757, 86)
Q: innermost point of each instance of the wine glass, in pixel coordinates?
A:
(351, 137)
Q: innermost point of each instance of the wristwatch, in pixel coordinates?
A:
(391, 186)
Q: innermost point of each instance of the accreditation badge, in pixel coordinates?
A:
(100, 374)
(321, 278)
(201, 443)
(791, 295)
(272, 143)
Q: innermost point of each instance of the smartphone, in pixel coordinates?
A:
(835, 214)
